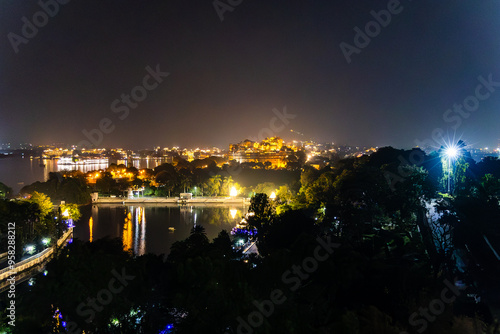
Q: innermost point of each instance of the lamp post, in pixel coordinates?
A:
(451, 153)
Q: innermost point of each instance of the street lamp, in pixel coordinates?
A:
(30, 249)
(451, 153)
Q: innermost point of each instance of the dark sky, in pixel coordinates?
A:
(227, 76)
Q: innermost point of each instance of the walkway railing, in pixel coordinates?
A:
(172, 200)
(35, 260)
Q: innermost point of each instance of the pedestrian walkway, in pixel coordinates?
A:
(32, 265)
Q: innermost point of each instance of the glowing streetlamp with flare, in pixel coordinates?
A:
(451, 152)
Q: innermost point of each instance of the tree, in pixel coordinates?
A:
(285, 230)
(284, 199)
(461, 179)
(5, 192)
(71, 188)
(227, 183)
(195, 245)
(43, 202)
(72, 210)
(132, 170)
(25, 215)
(442, 236)
(264, 188)
(301, 157)
(307, 176)
(222, 243)
(185, 179)
(261, 213)
(409, 195)
(284, 194)
(213, 185)
(167, 177)
(488, 165)
(321, 190)
(198, 237)
(179, 162)
(106, 184)
(490, 185)
(67, 286)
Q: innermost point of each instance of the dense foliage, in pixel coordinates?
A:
(345, 249)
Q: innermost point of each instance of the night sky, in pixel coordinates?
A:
(226, 77)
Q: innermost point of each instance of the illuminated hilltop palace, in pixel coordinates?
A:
(270, 151)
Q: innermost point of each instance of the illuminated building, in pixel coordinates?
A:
(270, 150)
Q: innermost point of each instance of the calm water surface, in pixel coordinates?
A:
(142, 228)
(16, 172)
(145, 228)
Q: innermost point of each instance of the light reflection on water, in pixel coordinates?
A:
(154, 228)
(53, 166)
(91, 229)
(17, 172)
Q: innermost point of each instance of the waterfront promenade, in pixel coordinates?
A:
(172, 200)
(31, 266)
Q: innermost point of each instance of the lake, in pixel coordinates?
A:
(16, 172)
(153, 228)
(142, 228)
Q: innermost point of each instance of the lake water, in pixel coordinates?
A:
(142, 228)
(16, 172)
(145, 228)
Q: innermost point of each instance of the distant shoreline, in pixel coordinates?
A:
(174, 200)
